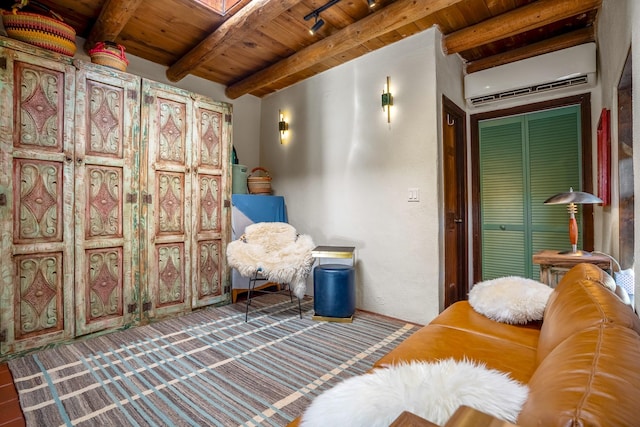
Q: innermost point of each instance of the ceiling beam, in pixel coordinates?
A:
(233, 30)
(574, 38)
(525, 18)
(389, 18)
(113, 17)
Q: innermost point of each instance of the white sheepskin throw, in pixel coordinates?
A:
(430, 390)
(511, 299)
(277, 251)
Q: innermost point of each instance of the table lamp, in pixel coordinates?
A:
(573, 198)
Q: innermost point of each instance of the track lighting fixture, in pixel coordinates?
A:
(318, 24)
(371, 3)
(316, 15)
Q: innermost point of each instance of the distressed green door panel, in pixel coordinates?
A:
(36, 179)
(167, 186)
(107, 136)
(211, 217)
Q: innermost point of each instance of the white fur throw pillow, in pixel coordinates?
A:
(511, 299)
(430, 390)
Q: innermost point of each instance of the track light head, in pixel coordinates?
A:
(318, 24)
(316, 15)
(371, 3)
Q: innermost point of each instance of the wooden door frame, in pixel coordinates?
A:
(625, 142)
(450, 108)
(584, 100)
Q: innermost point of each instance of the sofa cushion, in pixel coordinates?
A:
(582, 299)
(437, 342)
(590, 379)
(461, 315)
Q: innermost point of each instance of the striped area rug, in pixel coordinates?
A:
(207, 368)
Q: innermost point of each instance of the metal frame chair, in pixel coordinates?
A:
(252, 289)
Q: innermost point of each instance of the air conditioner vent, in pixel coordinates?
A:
(574, 81)
(565, 68)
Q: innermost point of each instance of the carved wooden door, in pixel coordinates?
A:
(166, 182)
(106, 252)
(186, 185)
(114, 199)
(36, 213)
(211, 208)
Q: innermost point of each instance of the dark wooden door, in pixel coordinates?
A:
(455, 196)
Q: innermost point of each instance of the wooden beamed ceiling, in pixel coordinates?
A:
(261, 46)
(377, 24)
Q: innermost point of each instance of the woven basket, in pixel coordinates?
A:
(259, 184)
(40, 30)
(110, 55)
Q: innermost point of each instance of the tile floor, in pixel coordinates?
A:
(10, 412)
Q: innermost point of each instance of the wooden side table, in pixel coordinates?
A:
(463, 417)
(409, 419)
(553, 264)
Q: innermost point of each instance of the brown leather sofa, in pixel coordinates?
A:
(581, 362)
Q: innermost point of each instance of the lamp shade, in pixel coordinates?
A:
(577, 197)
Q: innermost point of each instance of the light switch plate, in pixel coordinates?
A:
(414, 195)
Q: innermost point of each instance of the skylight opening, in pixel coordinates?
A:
(221, 7)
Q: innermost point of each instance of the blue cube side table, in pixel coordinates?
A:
(334, 291)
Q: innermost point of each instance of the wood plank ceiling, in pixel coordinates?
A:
(260, 46)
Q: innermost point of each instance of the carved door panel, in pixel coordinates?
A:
(211, 195)
(106, 252)
(166, 178)
(36, 187)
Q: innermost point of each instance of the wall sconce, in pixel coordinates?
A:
(387, 100)
(573, 198)
(283, 126)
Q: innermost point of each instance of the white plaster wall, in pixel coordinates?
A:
(345, 172)
(246, 109)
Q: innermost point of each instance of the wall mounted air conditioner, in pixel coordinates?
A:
(563, 68)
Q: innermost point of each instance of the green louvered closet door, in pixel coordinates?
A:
(523, 161)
